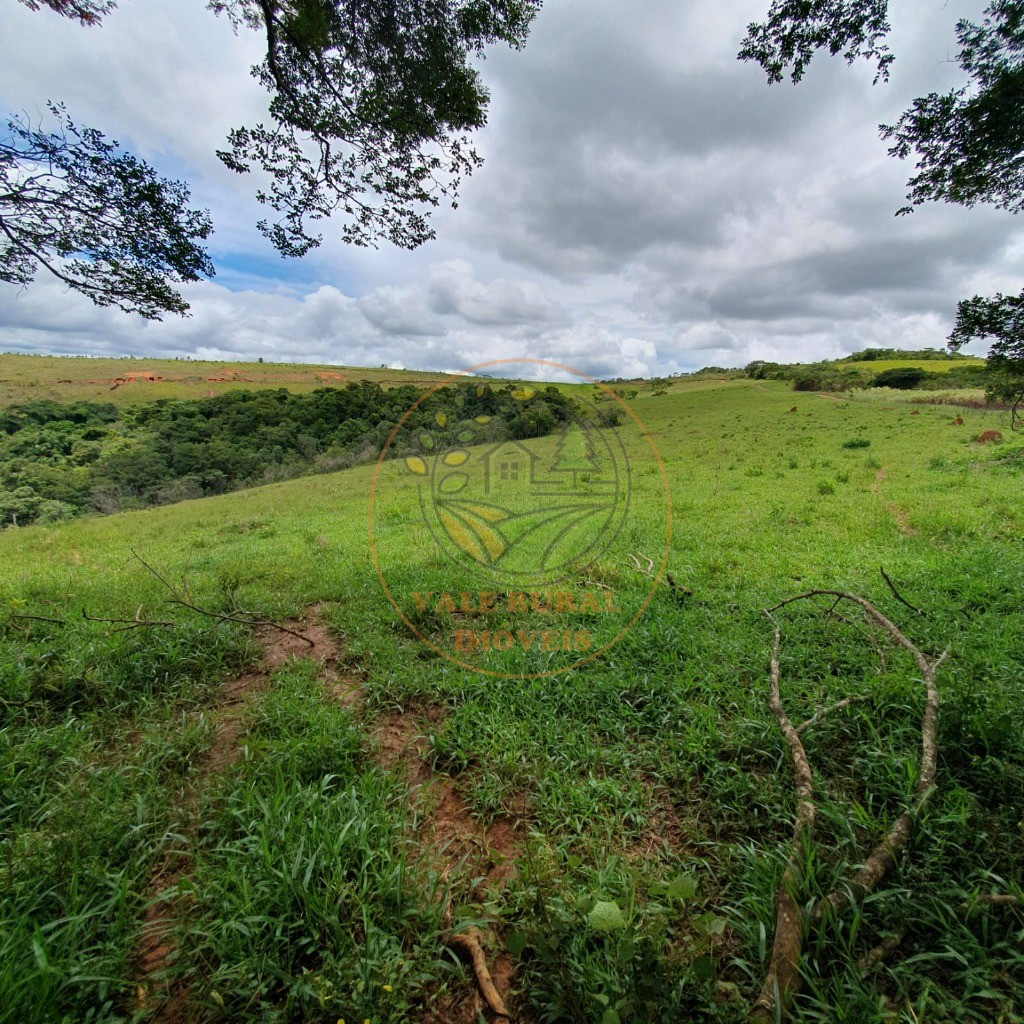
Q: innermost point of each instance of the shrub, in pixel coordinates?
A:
(902, 377)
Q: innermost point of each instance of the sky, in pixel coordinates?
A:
(647, 204)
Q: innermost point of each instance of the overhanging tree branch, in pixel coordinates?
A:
(97, 218)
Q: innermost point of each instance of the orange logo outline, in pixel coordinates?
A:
(656, 579)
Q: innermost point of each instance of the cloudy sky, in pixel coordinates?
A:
(647, 204)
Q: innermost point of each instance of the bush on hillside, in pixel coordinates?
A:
(904, 378)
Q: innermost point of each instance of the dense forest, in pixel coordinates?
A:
(59, 461)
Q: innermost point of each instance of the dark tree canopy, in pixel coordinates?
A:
(88, 12)
(968, 143)
(797, 29)
(98, 218)
(371, 103)
(1001, 319)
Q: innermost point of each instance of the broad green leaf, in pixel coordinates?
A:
(683, 887)
(703, 967)
(606, 917)
(517, 942)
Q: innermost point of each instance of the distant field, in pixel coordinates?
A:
(313, 830)
(934, 365)
(130, 381)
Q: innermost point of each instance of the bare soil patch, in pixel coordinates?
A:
(168, 1002)
(451, 842)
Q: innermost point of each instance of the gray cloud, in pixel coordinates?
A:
(648, 204)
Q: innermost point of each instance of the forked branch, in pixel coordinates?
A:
(782, 977)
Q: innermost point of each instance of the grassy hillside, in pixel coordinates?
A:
(131, 381)
(615, 833)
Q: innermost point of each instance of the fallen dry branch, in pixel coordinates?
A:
(246, 620)
(877, 956)
(183, 599)
(823, 712)
(995, 899)
(648, 570)
(782, 976)
(783, 969)
(126, 624)
(469, 944)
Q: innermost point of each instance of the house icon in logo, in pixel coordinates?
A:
(508, 467)
(575, 467)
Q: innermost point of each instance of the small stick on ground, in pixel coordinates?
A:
(469, 943)
(995, 899)
(126, 624)
(185, 601)
(245, 620)
(822, 712)
(895, 593)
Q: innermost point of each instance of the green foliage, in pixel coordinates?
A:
(904, 378)
(56, 461)
(1000, 319)
(796, 29)
(870, 355)
(968, 143)
(369, 110)
(100, 220)
(825, 377)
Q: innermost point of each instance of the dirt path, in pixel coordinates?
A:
(453, 843)
(897, 513)
(447, 839)
(168, 1003)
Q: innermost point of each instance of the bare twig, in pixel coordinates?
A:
(648, 570)
(838, 706)
(895, 593)
(184, 600)
(247, 620)
(150, 568)
(126, 624)
(677, 587)
(994, 899)
(783, 969)
(643, 570)
(469, 943)
(38, 618)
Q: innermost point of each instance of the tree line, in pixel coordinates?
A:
(59, 461)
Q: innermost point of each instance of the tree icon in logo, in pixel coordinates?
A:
(526, 510)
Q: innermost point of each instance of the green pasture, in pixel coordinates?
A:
(652, 778)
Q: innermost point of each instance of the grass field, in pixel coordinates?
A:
(615, 833)
(131, 381)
